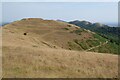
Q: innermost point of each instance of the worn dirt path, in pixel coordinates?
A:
(97, 46)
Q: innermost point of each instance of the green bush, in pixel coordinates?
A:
(100, 38)
(65, 28)
(78, 31)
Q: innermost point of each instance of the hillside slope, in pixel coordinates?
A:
(46, 48)
(110, 33)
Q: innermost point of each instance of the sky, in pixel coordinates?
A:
(103, 12)
(59, 0)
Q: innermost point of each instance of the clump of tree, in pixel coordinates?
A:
(65, 28)
(78, 31)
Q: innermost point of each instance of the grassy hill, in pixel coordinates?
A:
(110, 33)
(35, 47)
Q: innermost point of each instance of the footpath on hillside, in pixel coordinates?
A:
(97, 46)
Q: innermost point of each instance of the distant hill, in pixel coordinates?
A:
(38, 48)
(111, 33)
(2, 24)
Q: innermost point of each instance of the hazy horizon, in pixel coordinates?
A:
(102, 12)
(109, 24)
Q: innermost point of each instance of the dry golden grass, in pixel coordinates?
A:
(47, 62)
(0, 52)
(42, 53)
